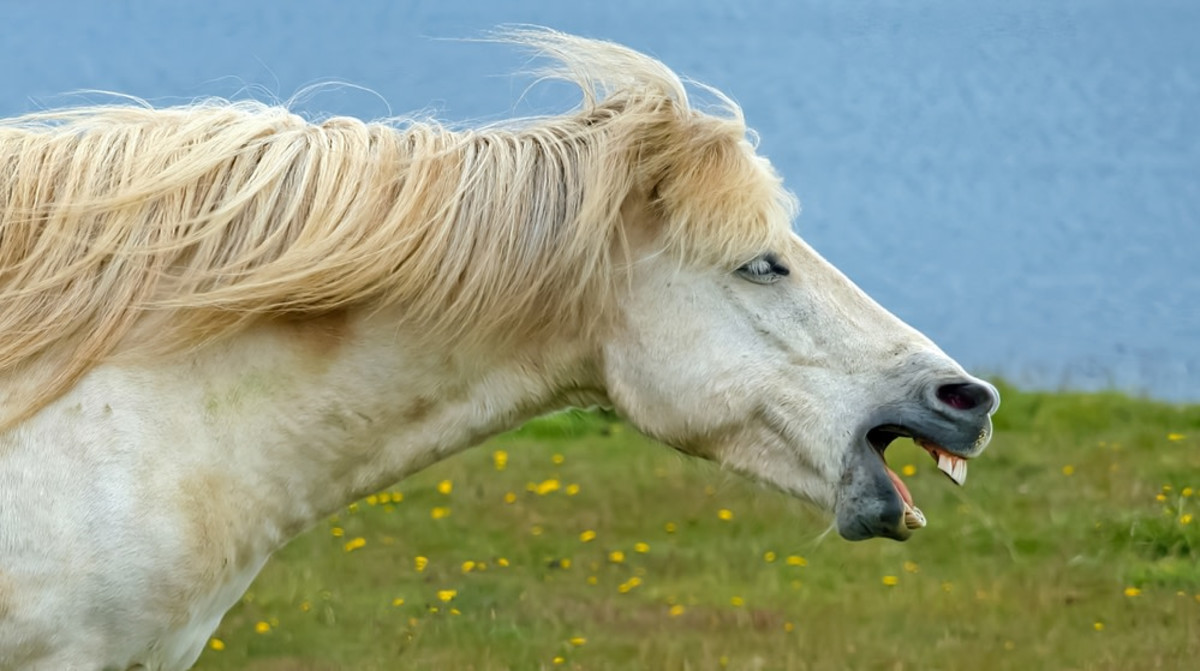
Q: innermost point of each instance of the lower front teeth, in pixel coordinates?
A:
(913, 517)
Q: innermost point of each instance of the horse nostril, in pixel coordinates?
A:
(966, 396)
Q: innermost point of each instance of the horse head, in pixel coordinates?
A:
(783, 370)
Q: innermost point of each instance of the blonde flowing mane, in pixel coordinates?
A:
(128, 228)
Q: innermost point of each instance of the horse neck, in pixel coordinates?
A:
(314, 414)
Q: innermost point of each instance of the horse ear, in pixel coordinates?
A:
(655, 196)
(643, 223)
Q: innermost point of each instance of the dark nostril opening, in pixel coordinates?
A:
(965, 395)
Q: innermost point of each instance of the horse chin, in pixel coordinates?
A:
(871, 502)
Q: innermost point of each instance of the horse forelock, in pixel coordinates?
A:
(211, 216)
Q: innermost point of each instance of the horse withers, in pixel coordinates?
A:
(221, 323)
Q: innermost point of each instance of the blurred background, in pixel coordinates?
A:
(1018, 179)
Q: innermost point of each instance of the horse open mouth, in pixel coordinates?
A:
(954, 466)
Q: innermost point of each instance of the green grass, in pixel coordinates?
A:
(1070, 548)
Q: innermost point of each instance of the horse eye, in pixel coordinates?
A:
(766, 269)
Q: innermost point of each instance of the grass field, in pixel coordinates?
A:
(575, 543)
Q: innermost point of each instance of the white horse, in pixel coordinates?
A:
(221, 323)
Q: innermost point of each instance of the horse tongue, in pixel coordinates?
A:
(913, 517)
(899, 485)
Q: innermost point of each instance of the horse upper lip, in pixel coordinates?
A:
(882, 435)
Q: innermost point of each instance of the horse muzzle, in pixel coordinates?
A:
(951, 420)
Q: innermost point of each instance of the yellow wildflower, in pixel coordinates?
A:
(384, 498)
(768, 556)
(261, 627)
(1161, 498)
(558, 459)
(372, 500)
(468, 566)
(788, 626)
(398, 601)
(737, 601)
(1185, 518)
(419, 563)
(559, 660)
(1068, 470)
(592, 580)
(337, 532)
(355, 543)
(796, 560)
(572, 489)
(1132, 591)
(891, 580)
(502, 561)
(1098, 625)
(642, 548)
(676, 610)
(216, 644)
(577, 641)
(510, 497)
(564, 563)
(629, 584)
(587, 536)
(548, 486)
(911, 567)
(500, 459)
(1175, 437)
(439, 512)
(616, 556)
(447, 595)
(455, 611)
(670, 527)
(1186, 492)
(725, 514)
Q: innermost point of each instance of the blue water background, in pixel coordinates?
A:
(1019, 179)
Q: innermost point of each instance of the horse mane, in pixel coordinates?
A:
(203, 219)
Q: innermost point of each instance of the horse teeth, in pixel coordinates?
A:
(913, 517)
(955, 467)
